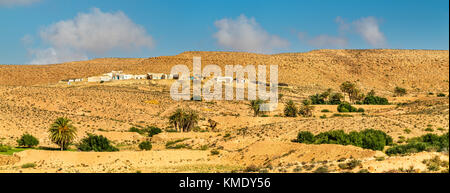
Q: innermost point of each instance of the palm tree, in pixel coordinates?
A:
(176, 119)
(62, 132)
(184, 120)
(190, 120)
(255, 105)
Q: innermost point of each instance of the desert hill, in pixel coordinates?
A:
(380, 69)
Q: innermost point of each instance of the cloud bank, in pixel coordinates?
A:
(92, 33)
(328, 41)
(245, 34)
(369, 30)
(366, 27)
(9, 3)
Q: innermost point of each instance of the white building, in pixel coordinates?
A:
(140, 77)
(225, 79)
(99, 79)
(128, 76)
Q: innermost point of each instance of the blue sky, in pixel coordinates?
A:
(51, 31)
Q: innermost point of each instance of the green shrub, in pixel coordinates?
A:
(317, 99)
(429, 129)
(335, 99)
(29, 165)
(428, 142)
(251, 168)
(96, 143)
(375, 100)
(4, 148)
(137, 130)
(325, 111)
(362, 171)
(305, 137)
(346, 107)
(215, 152)
(399, 91)
(360, 110)
(368, 138)
(441, 95)
(27, 140)
(174, 145)
(350, 165)
(332, 137)
(321, 169)
(145, 145)
(290, 110)
(152, 130)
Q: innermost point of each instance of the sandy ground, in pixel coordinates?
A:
(242, 140)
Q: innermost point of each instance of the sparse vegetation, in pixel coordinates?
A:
(174, 144)
(435, 164)
(440, 95)
(4, 148)
(255, 105)
(28, 140)
(306, 110)
(29, 165)
(428, 142)
(215, 152)
(322, 169)
(368, 138)
(399, 91)
(350, 165)
(145, 145)
(290, 110)
(97, 143)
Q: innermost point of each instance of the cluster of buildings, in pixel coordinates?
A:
(119, 75)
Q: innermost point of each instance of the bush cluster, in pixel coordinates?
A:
(145, 145)
(367, 139)
(149, 130)
(97, 143)
(375, 100)
(440, 95)
(347, 108)
(27, 140)
(290, 110)
(4, 148)
(428, 142)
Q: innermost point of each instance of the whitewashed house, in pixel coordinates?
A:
(225, 79)
(140, 77)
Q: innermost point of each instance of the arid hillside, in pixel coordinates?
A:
(415, 70)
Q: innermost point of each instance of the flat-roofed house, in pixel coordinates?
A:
(140, 77)
(225, 79)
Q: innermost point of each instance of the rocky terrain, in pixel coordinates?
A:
(31, 99)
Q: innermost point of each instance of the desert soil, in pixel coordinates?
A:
(31, 99)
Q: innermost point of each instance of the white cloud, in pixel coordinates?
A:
(95, 33)
(245, 34)
(10, 3)
(368, 28)
(53, 56)
(324, 41)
